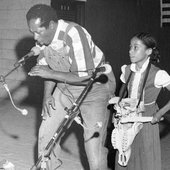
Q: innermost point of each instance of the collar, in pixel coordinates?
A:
(144, 66)
(59, 26)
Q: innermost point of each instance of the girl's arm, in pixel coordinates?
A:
(157, 116)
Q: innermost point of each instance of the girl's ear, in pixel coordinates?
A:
(149, 51)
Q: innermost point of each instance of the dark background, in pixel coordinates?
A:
(112, 23)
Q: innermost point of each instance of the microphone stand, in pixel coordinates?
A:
(16, 66)
(65, 124)
(2, 80)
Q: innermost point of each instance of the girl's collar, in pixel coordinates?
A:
(144, 66)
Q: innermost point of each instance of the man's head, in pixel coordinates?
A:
(42, 21)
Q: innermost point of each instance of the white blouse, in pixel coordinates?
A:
(162, 78)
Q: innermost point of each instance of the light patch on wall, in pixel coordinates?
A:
(164, 13)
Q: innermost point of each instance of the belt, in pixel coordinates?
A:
(147, 104)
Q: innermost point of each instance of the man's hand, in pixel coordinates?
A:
(48, 102)
(40, 70)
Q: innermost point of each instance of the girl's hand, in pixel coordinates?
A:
(48, 102)
(157, 117)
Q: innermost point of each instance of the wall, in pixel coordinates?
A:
(15, 42)
(110, 22)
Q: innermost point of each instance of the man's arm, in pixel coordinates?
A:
(48, 99)
(47, 73)
(48, 88)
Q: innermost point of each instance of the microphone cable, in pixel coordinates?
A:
(23, 111)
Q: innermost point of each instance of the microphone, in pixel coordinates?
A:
(34, 51)
(105, 68)
(102, 79)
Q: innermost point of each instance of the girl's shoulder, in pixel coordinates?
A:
(154, 68)
(161, 77)
(158, 71)
(125, 70)
(125, 67)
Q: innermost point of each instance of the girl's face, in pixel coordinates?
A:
(138, 52)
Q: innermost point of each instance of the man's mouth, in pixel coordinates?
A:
(38, 43)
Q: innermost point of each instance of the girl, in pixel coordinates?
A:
(145, 148)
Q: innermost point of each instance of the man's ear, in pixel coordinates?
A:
(51, 25)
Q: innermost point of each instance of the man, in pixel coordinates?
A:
(67, 58)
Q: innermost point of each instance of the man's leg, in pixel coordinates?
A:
(95, 113)
(49, 127)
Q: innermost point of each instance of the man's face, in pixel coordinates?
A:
(42, 35)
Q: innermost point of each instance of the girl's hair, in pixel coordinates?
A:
(150, 42)
(45, 12)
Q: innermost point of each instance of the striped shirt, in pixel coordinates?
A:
(83, 54)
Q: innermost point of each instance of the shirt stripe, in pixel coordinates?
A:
(83, 53)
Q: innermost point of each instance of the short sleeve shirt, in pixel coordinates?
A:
(162, 78)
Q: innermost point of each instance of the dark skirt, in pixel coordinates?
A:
(146, 152)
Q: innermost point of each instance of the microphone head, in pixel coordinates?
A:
(102, 79)
(102, 69)
(24, 112)
(108, 68)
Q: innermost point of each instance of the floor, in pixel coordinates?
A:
(19, 139)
